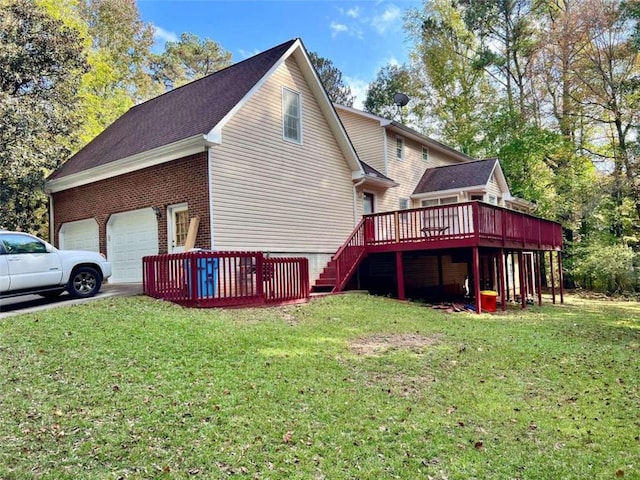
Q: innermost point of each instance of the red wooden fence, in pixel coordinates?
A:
(225, 279)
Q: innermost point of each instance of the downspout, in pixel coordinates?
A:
(51, 220)
(355, 201)
(210, 188)
(386, 152)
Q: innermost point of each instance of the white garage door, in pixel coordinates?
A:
(131, 236)
(80, 235)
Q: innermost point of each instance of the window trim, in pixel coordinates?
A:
(425, 154)
(285, 115)
(438, 201)
(400, 147)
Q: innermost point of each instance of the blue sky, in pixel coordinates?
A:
(359, 37)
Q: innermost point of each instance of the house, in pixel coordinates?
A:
(259, 154)
(256, 151)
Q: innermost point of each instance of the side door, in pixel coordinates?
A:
(178, 227)
(30, 263)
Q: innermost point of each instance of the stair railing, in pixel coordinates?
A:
(349, 255)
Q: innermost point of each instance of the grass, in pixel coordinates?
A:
(347, 386)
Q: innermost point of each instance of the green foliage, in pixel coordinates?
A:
(188, 59)
(456, 92)
(347, 386)
(390, 80)
(118, 50)
(42, 63)
(331, 78)
(607, 268)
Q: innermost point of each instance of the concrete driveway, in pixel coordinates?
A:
(34, 303)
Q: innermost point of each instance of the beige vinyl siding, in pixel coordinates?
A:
(493, 188)
(277, 196)
(407, 172)
(367, 137)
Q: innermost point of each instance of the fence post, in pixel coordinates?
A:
(259, 288)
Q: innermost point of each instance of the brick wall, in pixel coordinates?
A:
(179, 181)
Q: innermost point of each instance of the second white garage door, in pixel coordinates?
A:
(131, 236)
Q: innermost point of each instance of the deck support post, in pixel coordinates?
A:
(501, 279)
(506, 275)
(553, 280)
(523, 281)
(560, 277)
(400, 275)
(538, 277)
(476, 277)
(513, 273)
(396, 223)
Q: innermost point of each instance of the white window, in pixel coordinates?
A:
(291, 116)
(448, 200)
(493, 200)
(425, 154)
(404, 203)
(439, 201)
(399, 148)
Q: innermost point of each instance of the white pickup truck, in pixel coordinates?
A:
(30, 265)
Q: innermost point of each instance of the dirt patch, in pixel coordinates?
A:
(373, 345)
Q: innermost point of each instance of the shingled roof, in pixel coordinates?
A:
(190, 110)
(459, 176)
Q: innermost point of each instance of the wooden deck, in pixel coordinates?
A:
(463, 225)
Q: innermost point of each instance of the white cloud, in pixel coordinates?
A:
(392, 61)
(389, 19)
(247, 53)
(358, 90)
(162, 36)
(337, 28)
(353, 12)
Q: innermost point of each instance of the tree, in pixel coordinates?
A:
(458, 95)
(331, 78)
(42, 63)
(390, 80)
(507, 36)
(188, 59)
(609, 73)
(117, 45)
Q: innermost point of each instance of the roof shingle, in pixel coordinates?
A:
(462, 175)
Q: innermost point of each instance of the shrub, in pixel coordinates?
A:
(607, 268)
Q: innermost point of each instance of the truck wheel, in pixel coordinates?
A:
(84, 282)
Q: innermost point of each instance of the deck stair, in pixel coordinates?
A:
(326, 282)
(344, 263)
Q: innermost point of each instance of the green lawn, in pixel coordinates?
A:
(347, 386)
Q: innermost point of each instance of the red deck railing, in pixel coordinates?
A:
(225, 279)
(462, 224)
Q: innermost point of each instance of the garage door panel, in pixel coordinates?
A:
(80, 235)
(131, 236)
